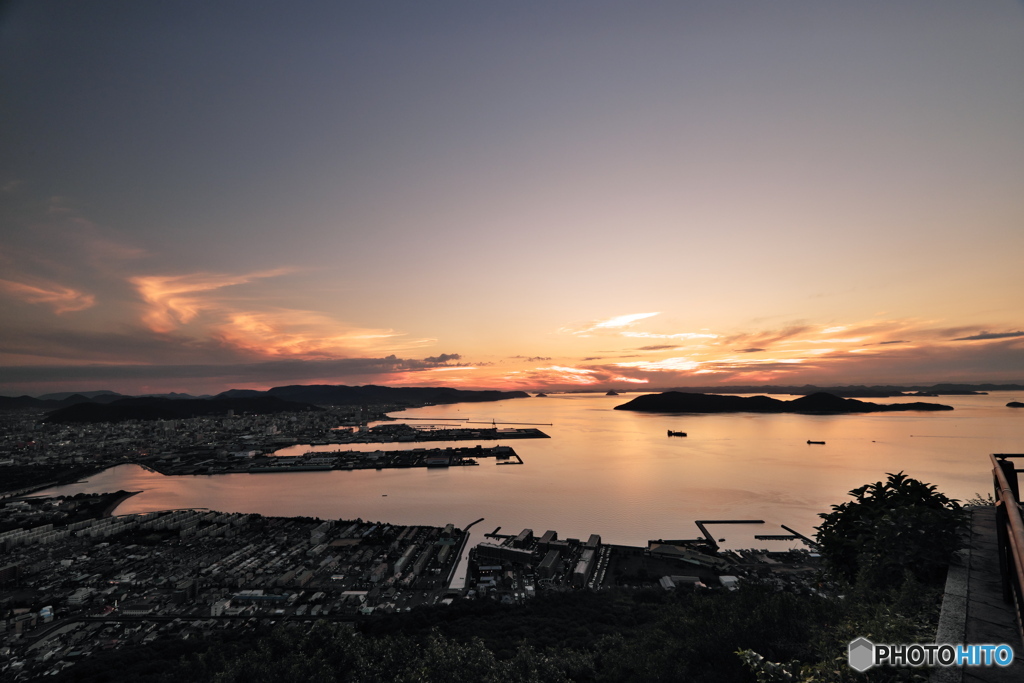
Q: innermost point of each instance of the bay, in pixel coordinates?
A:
(617, 474)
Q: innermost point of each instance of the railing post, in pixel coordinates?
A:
(1003, 550)
(1009, 533)
(1011, 477)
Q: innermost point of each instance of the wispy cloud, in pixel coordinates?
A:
(669, 364)
(767, 338)
(304, 334)
(991, 335)
(62, 299)
(679, 335)
(621, 325)
(173, 300)
(615, 324)
(200, 305)
(623, 320)
(552, 376)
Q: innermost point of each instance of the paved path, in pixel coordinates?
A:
(973, 610)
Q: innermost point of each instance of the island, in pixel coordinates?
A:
(1015, 404)
(821, 402)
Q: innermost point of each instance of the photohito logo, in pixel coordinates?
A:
(864, 654)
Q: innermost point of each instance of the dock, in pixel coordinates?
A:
(712, 541)
(434, 458)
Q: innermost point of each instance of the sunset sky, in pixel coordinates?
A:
(199, 195)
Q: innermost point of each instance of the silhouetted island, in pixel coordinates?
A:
(821, 402)
(1015, 404)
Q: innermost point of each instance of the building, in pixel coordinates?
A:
(584, 567)
(503, 553)
(549, 566)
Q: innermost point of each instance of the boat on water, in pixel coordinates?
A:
(671, 433)
(820, 443)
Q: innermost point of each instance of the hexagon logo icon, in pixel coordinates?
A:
(862, 654)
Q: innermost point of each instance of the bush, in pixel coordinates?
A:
(890, 529)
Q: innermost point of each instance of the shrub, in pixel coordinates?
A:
(891, 528)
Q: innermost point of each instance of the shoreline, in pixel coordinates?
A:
(109, 510)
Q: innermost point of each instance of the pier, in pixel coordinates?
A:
(437, 430)
(707, 534)
(360, 460)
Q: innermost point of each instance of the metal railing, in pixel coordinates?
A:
(1010, 532)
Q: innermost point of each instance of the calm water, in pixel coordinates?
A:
(616, 473)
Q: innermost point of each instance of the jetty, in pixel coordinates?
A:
(319, 461)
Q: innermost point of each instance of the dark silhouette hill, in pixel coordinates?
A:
(23, 402)
(29, 403)
(153, 408)
(821, 402)
(852, 391)
(331, 394)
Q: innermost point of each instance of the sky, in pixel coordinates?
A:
(203, 195)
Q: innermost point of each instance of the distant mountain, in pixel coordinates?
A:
(240, 393)
(62, 395)
(24, 402)
(152, 408)
(174, 396)
(29, 403)
(821, 402)
(330, 394)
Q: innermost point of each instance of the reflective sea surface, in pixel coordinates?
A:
(617, 474)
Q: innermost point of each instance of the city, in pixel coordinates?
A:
(77, 580)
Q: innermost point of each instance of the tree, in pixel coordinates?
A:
(889, 529)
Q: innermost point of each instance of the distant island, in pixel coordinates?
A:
(853, 390)
(821, 402)
(1015, 404)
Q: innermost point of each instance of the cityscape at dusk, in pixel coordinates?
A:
(203, 196)
(536, 341)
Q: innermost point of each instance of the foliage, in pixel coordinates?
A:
(907, 615)
(891, 528)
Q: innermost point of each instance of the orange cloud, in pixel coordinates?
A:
(63, 299)
(553, 375)
(198, 301)
(611, 324)
(174, 300)
(287, 333)
(670, 364)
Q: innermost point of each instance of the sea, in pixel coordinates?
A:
(618, 474)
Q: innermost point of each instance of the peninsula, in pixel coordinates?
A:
(821, 402)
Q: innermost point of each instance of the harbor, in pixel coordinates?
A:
(323, 461)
